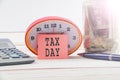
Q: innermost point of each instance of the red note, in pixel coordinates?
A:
(52, 46)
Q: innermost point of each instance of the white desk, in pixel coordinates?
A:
(73, 68)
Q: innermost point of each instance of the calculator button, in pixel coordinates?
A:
(25, 56)
(5, 57)
(14, 56)
(2, 53)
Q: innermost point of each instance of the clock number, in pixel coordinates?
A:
(38, 29)
(46, 26)
(68, 45)
(32, 38)
(68, 28)
(74, 37)
(60, 26)
(53, 25)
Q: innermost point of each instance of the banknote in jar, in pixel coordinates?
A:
(98, 28)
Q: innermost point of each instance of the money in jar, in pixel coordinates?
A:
(98, 27)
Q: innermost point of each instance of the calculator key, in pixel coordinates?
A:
(20, 53)
(25, 56)
(2, 54)
(5, 57)
(14, 56)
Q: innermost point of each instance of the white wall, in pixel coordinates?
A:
(17, 15)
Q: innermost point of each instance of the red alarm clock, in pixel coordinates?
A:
(53, 25)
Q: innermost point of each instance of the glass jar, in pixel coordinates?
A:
(98, 27)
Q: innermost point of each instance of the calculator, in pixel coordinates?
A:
(10, 55)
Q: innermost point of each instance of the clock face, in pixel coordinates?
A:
(53, 25)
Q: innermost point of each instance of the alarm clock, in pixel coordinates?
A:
(53, 25)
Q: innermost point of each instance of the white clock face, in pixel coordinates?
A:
(55, 27)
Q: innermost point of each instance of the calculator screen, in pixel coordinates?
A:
(5, 43)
